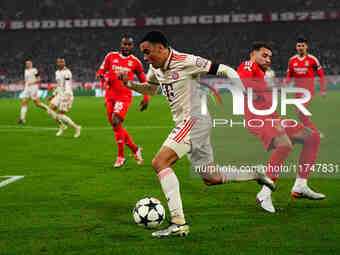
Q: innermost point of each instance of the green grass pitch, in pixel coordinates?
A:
(71, 200)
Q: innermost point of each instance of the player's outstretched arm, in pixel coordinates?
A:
(225, 71)
(144, 88)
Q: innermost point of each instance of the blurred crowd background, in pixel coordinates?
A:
(84, 49)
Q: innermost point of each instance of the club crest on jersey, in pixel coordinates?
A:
(295, 64)
(306, 63)
(175, 75)
(129, 63)
(115, 61)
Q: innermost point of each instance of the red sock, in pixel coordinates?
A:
(119, 135)
(129, 142)
(308, 155)
(306, 121)
(276, 161)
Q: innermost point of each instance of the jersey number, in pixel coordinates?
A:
(168, 91)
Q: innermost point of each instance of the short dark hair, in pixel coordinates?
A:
(301, 40)
(258, 45)
(156, 37)
(128, 36)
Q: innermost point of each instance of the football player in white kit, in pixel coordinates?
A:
(32, 80)
(62, 99)
(177, 75)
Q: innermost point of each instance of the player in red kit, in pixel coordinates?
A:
(118, 98)
(303, 67)
(275, 135)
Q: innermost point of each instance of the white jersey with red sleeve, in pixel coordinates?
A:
(303, 70)
(178, 79)
(115, 62)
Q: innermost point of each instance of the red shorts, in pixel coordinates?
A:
(266, 129)
(118, 106)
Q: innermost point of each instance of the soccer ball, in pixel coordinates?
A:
(149, 213)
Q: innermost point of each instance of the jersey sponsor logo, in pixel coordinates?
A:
(201, 62)
(175, 75)
(120, 68)
(301, 70)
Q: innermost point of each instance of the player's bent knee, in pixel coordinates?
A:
(116, 121)
(158, 164)
(283, 141)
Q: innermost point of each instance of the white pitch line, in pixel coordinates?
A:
(10, 180)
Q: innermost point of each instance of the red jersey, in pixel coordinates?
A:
(303, 70)
(253, 76)
(113, 62)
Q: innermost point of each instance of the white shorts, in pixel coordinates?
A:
(192, 137)
(62, 102)
(31, 92)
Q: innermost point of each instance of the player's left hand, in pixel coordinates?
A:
(144, 105)
(323, 94)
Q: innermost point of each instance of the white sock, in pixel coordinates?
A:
(300, 182)
(227, 174)
(266, 190)
(237, 176)
(52, 113)
(170, 186)
(42, 105)
(67, 120)
(23, 112)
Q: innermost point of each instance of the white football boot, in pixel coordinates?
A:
(61, 130)
(173, 230)
(264, 198)
(138, 156)
(303, 191)
(263, 179)
(119, 162)
(77, 132)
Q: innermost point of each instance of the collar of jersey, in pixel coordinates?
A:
(302, 57)
(122, 56)
(167, 62)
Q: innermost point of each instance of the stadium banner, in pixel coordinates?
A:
(169, 20)
(15, 90)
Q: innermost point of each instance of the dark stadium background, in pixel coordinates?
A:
(84, 49)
